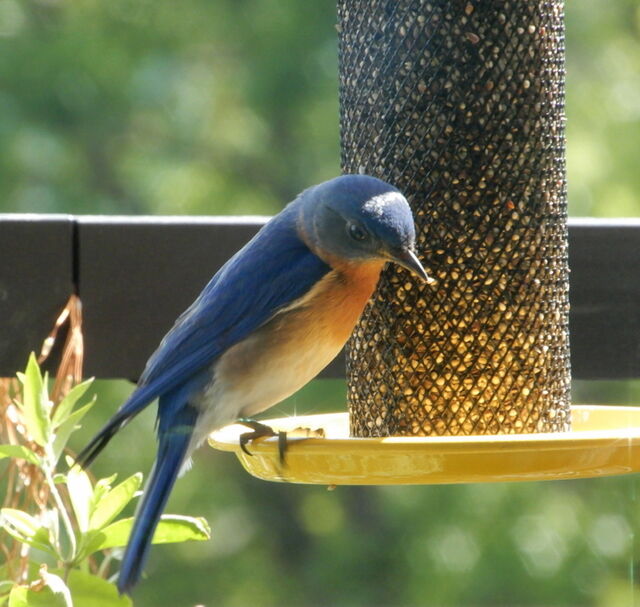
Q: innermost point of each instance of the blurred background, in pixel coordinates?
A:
(230, 107)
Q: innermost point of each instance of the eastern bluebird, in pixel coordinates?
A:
(267, 323)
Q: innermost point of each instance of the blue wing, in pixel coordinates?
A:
(271, 271)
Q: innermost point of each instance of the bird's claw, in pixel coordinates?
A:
(262, 431)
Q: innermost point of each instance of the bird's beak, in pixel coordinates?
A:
(409, 260)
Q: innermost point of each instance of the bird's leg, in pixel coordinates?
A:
(261, 431)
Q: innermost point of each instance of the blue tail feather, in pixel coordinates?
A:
(172, 449)
(136, 403)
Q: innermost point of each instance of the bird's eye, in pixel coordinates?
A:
(357, 233)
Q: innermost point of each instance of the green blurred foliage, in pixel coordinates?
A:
(603, 107)
(133, 106)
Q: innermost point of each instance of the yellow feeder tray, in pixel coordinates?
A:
(604, 441)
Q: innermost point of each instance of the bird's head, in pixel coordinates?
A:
(357, 218)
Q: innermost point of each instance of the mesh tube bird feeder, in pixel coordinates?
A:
(460, 104)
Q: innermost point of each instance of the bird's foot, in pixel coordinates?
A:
(260, 430)
(263, 431)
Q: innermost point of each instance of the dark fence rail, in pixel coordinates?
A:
(136, 274)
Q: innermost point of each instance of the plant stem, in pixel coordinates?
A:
(66, 521)
(103, 570)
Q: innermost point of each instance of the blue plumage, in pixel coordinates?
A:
(271, 271)
(330, 242)
(172, 448)
(274, 269)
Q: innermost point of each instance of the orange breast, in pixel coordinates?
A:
(336, 302)
(300, 341)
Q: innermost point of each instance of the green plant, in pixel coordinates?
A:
(61, 530)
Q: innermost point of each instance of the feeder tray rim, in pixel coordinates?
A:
(604, 441)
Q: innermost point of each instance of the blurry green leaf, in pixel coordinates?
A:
(51, 520)
(57, 585)
(113, 502)
(105, 483)
(20, 452)
(35, 403)
(172, 528)
(22, 596)
(66, 405)
(176, 528)
(25, 528)
(64, 430)
(5, 589)
(80, 492)
(102, 487)
(90, 591)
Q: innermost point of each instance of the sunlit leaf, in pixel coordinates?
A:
(81, 493)
(26, 529)
(172, 528)
(35, 403)
(5, 589)
(176, 528)
(22, 596)
(19, 452)
(105, 483)
(101, 488)
(90, 591)
(113, 502)
(66, 405)
(65, 429)
(57, 585)
(51, 520)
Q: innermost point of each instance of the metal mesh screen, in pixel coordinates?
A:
(460, 104)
